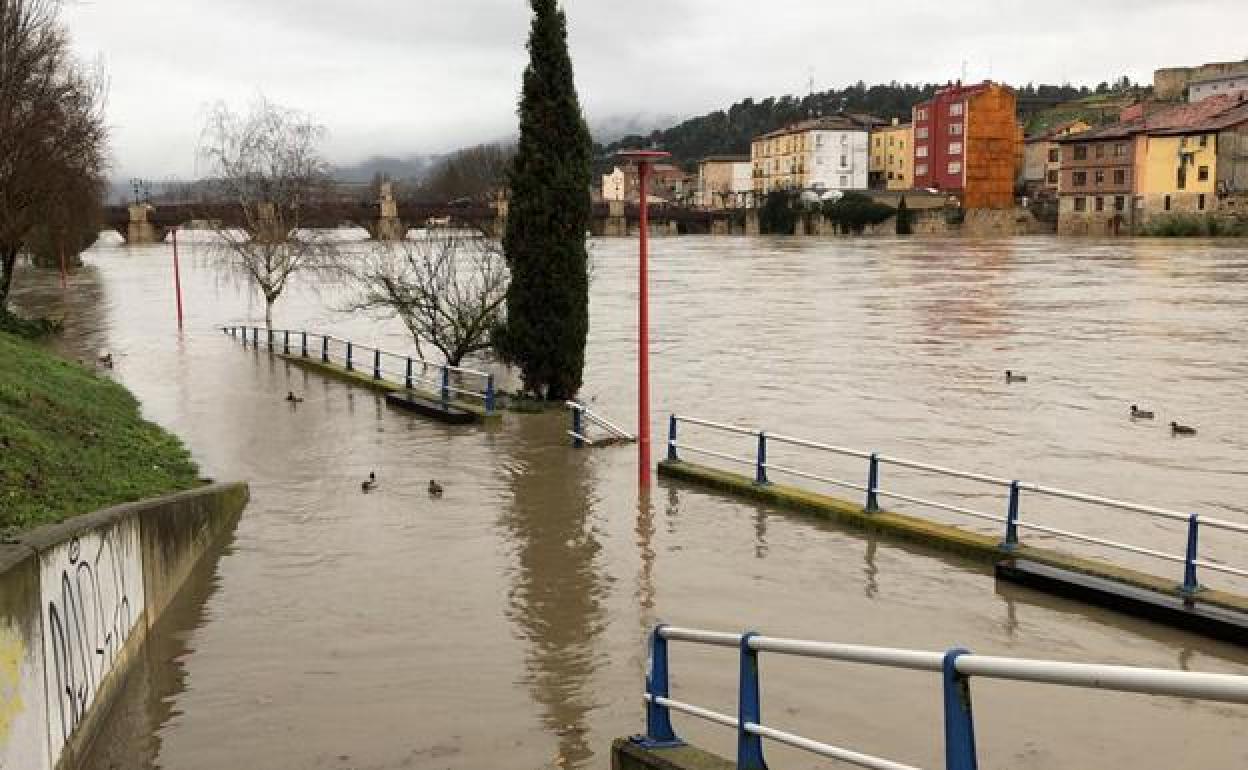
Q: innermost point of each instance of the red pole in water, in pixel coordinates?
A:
(177, 277)
(643, 159)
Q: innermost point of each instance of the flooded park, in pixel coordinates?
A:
(504, 624)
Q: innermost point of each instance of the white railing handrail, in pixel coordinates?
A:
(599, 420)
(1012, 520)
(956, 667)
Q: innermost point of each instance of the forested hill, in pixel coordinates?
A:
(728, 132)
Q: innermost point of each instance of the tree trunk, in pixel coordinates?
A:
(8, 265)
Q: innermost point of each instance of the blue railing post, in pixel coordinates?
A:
(446, 383)
(243, 329)
(873, 484)
(1011, 520)
(1190, 584)
(407, 375)
(749, 709)
(303, 345)
(489, 394)
(376, 364)
(760, 460)
(671, 439)
(255, 337)
(286, 342)
(577, 425)
(325, 349)
(268, 336)
(659, 732)
(959, 721)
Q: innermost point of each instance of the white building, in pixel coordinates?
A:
(615, 185)
(821, 154)
(1199, 90)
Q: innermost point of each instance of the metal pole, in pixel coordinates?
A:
(1190, 584)
(303, 344)
(749, 709)
(407, 375)
(177, 276)
(286, 342)
(376, 364)
(349, 346)
(658, 718)
(959, 722)
(671, 439)
(873, 484)
(1011, 520)
(578, 427)
(643, 336)
(446, 384)
(760, 460)
(489, 394)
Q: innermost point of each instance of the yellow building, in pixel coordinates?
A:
(892, 157)
(821, 154)
(1176, 172)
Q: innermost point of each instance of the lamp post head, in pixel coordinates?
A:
(643, 156)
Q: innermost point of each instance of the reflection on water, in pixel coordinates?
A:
(557, 586)
(504, 624)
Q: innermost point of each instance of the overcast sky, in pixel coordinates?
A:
(400, 77)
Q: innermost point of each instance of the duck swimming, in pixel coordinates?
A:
(1182, 430)
(1141, 414)
(435, 489)
(292, 398)
(367, 485)
(1010, 376)
(106, 360)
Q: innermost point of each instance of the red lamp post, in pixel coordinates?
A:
(177, 277)
(643, 159)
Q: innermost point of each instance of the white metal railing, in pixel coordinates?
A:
(581, 415)
(956, 666)
(410, 372)
(1010, 519)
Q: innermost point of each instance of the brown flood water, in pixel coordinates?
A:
(503, 625)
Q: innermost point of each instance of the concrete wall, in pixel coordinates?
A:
(76, 602)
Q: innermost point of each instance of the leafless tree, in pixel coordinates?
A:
(449, 287)
(474, 172)
(267, 166)
(52, 131)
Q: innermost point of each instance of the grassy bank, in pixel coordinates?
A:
(72, 441)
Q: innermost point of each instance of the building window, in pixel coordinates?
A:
(955, 148)
(844, 161)
(955, 129)
(1079, 178)
(1120, 149)
(1120, 202)
(891, 141)
(1203, 173)
(1120, 176)
(1081, 203)
(1200, 202)
(1100, 203)
(920, 114)
(920, 152)
(1081, 152)
(1055, 155)
(890, 175)
(901, 177)
(1052, 179)
(1181, 180)
(819, 140)
(1166, 203)
(920, 133)
(1099, 176)
(878, 142)
(921, 169)
(955, 167)
(1204, 140)
(901, 145)
(1100, 151)
(844, 181)
(955, 110)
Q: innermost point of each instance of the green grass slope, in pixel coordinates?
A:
(72, 442)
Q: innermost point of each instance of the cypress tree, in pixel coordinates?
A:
(547, 217)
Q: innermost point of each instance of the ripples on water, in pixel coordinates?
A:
(505, 622)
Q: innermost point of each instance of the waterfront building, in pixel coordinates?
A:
(1190, 159)
(820, 154)
(967, 142)
(1216, 85)
(1172, 83)
(725, 181)
(1042, 158)
(667, 183)
(892, 153)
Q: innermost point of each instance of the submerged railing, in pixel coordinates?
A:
(1010, 521)
(956, 668)
(450, 383)
(582, 415)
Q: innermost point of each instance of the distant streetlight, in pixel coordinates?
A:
(643, 159)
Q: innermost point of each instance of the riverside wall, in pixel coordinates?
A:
(77, 600)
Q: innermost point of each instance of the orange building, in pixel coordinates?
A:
(967, 142)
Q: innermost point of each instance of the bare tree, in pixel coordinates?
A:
(448, 287)
(52, 132)
(266, 164)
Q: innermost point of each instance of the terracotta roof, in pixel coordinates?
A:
(726, 159)
(1212, 114)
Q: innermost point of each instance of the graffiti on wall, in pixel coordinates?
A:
(92, 596)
